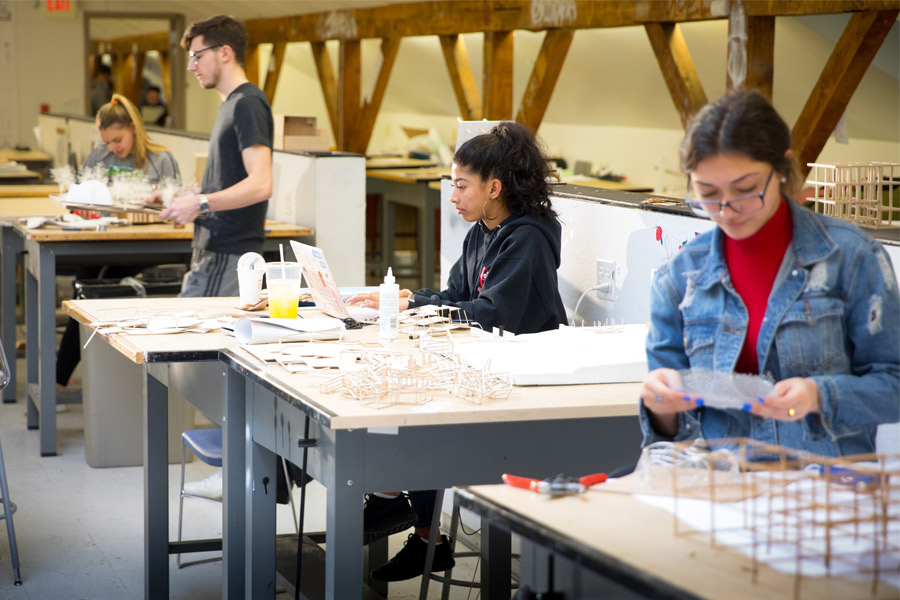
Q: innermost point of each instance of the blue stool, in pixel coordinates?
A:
(206, 444)
(8, 507)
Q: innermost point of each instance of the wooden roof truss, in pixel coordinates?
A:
(751, 39)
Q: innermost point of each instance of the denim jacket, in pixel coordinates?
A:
(833, 316)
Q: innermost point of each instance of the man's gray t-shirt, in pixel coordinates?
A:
(244, 119)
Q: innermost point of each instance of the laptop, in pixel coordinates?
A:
(323, 288)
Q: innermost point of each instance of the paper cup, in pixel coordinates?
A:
(250, 282)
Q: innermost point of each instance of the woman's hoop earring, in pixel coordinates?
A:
(484, 210)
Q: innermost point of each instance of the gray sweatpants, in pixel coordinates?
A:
(211, 274)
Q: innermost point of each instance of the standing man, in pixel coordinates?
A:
(229, 213)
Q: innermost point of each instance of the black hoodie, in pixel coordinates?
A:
(507, 277)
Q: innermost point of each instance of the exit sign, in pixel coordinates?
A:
(58, 8)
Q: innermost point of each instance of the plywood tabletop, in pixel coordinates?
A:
(148, 348)
(27, 190)
(151, 231)
(26, 174)
(524, 404)
(397, 162)
(24, 155)
(409, 175)
(12, 209)
(623, 529)
(531, 403)
(607, 184)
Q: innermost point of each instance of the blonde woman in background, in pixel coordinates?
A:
(126, 147)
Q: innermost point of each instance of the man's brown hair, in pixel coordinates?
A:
(220, 30)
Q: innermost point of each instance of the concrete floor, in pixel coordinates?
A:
(80, 529)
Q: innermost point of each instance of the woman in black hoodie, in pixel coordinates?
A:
(506, 277)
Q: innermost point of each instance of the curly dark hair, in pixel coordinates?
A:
(220, 30)
(741, 122)
(512, 154)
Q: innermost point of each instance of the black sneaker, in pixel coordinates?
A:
(410, 561)
(384, 516)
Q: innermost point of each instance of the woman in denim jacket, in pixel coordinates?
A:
(775, 289)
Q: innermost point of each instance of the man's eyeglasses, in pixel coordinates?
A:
(194, 55)
(742, 204)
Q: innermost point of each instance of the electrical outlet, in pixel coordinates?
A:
(606, 277)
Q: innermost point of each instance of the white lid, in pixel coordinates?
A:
(389, 278)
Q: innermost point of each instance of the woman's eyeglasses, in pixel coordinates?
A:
(741, 205)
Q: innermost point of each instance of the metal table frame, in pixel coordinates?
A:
(41, 263)
(350, 463)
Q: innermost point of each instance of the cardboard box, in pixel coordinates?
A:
(299, 133)
(309, 143)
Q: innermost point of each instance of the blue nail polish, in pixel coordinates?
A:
(699, 402)
(659, 399)
(746, 407)
(761, 400)
(679, 389)
(686, 398)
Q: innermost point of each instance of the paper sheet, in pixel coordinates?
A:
(265, 331)
(568, 355)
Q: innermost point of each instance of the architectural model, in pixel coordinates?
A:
(867, 194)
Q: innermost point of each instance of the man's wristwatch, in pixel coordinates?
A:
(203, 206)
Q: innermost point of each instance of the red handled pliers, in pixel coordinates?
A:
(557, 486)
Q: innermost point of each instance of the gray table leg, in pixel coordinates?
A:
(344, 517)
(43, 266)
(156, 488)
(10, 248)
(234, 444)
(260, 531)
(495, 561)
(31, 348)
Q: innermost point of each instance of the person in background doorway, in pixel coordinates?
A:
(101, 88)
(153, 109)
(774, 289)
(505, 277)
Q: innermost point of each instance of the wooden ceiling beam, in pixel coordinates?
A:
(349, 79)
(841, 75)
(133, 43)
(274, 71)
(760, 54)
(544, 77)
(677, 68)
(251, 63)
(369, 110)
(450, 17)
(464, 87)
(165, 71)
(327, 81)
(751, 51)
(497, 83)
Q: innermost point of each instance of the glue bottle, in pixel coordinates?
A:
(388, 307)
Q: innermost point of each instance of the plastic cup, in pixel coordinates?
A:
(283, 283)
(250, 283)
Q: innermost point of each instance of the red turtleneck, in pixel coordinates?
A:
(753, 264)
